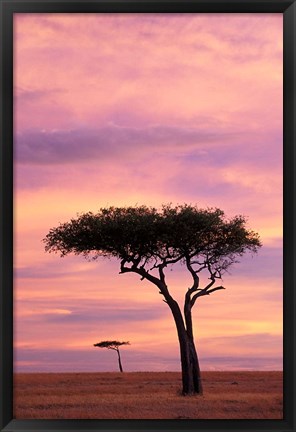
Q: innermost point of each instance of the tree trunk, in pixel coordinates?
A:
(191, 379)
(194, 363)
(197, 382)
(119, 361)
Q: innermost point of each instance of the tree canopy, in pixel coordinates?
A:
(142, 235)
(110, 344)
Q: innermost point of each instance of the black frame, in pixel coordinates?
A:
(7, 8)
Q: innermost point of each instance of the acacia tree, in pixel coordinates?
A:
(148, 241)
(113, 345)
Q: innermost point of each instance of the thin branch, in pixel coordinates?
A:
(203, 293)
(215, 289)
(202, 266)
(194, 276)
(161, 273)
(213, 280)
(173, 261)
(123, 269)
(142, 272)
(145, 262)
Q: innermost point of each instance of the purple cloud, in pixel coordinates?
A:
(135, 359)
(87, 318)
(112, 141)
(28, 95)
(268, 263)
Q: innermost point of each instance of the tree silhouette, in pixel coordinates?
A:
(113, 345)
(148, 242)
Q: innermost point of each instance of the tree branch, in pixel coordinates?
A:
(161, 273)
(215, 289)
(213, 280)
(146, 275)
(187, 302)
(203, 293)
(143, 273)
(164, 264)
(194, 276)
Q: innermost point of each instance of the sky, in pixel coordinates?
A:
(130, 109)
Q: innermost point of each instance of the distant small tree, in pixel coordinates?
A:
(147, 241)
(113, 345)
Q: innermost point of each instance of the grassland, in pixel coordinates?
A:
(146, 395)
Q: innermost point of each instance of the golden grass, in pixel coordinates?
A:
(147, 395)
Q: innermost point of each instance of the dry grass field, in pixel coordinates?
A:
(146, 395)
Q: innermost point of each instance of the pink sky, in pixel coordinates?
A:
(145, 109)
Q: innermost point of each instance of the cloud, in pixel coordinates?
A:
(133, 358)
(57, 269)
(111, 141)
(34, 95)
(85, 312)
(230, 363)
(268, 263)
(249, 342)
(45, 312)
(191, 72)
(92, 360)
(94, 315)
(26, 95)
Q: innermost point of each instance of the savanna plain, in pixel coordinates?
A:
(147, 395)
